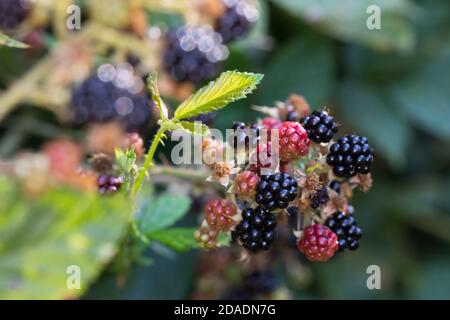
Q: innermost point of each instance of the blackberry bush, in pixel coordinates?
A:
(350, 155)
(193, 54)
(276, 191)
(256, 231)
(320, 126)
(344, 226)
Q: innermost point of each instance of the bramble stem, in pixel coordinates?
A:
(148, 161)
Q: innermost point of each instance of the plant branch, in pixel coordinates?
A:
(148, 161)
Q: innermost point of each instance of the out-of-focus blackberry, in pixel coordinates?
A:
(256, 230)
(111, 93)
(206, 118)
(319, 198)
(276, 191)
(108, 184)
(344, 226)
(260, 282)
(12, 13)
(237, 20)
(194, 54)
(320, 126)
(350, 155)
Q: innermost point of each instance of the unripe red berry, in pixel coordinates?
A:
(294, 141)
(245, 184)
(318, 243)
(219, 214)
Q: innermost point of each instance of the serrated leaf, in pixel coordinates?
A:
(41, 237)
(178, 239)
(162, 212)
(228, 87)
(10, 42)
(195, 127)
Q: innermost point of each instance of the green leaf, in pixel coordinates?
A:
(347, 21)
(229, 87)
(178, 239)
(10, 42)
(152, 84)
(305, 66)
(41, 237)
(162, 212)
(195, 127)
(371, 114)
(425, 96)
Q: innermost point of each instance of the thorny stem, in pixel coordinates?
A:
(148, 161)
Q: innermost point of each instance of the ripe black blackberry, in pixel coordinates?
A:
(344, 226)
(350, 155)
(335, 185)
(12, 13)
(101, 98)
(237, 20)
(193, 54)
(256, 231)
(319, 198)
(320, 126)
(276, 191)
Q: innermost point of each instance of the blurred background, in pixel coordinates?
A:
(74, 92)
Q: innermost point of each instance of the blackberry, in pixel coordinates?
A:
(292, 116)
(206, 118)
(260, 282)
(193, 54)
(335, 185)
(237, 20)
(294, 141)
(276, 191)
(320, 126)
(108, 184)
(12, 13)
(256, 231)
(108, 95)
(319, 198)
(350, 155)
(347, 231)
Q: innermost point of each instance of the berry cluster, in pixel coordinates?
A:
(350, 155)
(345, 228)
(276, 191)
(104, 96)
(306, 177)
(320, 126)
(108, 184)
(256, 231)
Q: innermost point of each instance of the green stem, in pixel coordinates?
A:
(148, 161)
